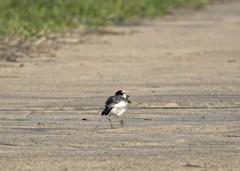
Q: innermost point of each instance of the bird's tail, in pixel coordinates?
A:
(106, 110)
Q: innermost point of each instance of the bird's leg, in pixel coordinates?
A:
(121, 121)
(109, 118)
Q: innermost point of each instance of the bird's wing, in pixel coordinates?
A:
(115, 101)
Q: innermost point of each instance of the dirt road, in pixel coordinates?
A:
(183, 76)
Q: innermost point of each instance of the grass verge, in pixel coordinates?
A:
(25, 18)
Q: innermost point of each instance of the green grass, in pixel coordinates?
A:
(33, 17)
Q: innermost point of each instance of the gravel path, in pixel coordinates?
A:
(182, 73)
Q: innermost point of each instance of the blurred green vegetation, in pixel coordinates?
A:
(34, 17)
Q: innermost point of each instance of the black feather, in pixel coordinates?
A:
(106, 110)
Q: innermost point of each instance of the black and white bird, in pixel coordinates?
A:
(116, 105)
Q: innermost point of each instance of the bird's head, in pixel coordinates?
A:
(123, 93)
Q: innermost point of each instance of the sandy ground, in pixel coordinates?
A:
(183, 76)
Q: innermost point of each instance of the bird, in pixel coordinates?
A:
(116, 105)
